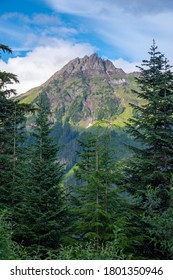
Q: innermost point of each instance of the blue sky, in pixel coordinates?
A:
(46, 34)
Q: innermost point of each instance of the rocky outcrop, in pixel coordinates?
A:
(90, 66)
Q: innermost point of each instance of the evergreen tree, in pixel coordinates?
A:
(41, 215)
(152, 164)
(93, 205)
(9, 120)
(5, 48)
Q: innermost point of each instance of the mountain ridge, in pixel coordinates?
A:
(107, 65)
(86, 90)
(93, 62)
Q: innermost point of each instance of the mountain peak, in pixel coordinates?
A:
(90, 65)
(86, 90)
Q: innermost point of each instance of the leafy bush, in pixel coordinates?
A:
(89, 251)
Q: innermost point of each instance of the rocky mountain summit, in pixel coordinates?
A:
(86, 90)
(90, 66)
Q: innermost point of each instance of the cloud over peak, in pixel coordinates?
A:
(41, 63)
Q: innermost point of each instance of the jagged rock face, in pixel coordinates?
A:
(90, 66)
(85, 90)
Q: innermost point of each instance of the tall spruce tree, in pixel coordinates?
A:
(9, 120)
(92, 196)
(41, 216)
(151, 167)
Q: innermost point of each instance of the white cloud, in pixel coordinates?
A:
(128, 67)
(30, 31)
(84, 8)
(41, 63)
(89, 7)
(129, 26)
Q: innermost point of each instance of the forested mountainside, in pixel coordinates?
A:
(100, 203)
(84, 92)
